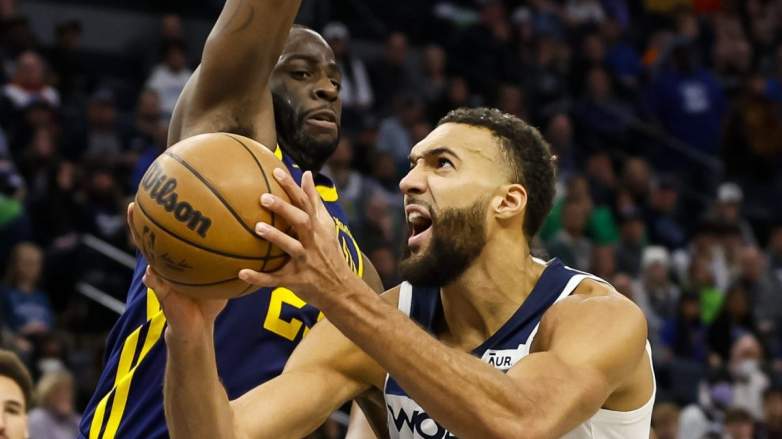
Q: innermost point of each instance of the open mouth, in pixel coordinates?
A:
(419, 225)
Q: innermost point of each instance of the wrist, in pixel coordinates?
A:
(184, 343)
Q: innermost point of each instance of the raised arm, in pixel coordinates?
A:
(229, 90)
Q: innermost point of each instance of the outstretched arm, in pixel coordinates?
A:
(229, 89)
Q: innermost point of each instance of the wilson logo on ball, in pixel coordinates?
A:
(162, 190)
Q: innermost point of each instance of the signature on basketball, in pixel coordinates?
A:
(162, 190)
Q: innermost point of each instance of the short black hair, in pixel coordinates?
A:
(529, 157)
(12, 367)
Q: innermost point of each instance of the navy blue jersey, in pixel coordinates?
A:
(254, 336)
(511, 343)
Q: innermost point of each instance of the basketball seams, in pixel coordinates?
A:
(196, 245)
(268, 190)
(214, 191)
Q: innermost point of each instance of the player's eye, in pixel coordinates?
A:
(444, 163)
(13, 410)
(300, 75)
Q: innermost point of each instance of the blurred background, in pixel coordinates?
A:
(664, 114)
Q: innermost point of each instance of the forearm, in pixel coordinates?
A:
(196, 404)
(461, 392)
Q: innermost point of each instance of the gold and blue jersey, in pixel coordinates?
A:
(254, 336)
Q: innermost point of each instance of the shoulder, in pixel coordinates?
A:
(594, 309)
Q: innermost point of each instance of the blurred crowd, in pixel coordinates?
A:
(664, 116)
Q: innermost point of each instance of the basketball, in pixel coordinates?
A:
(195, 213)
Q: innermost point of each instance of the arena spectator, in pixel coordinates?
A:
(55, 416)
(684, 336)
(749, 380)
(433, 80)
(771, 427)
(734, 320)
(25, 307)
(665, 421)
(356, 91)
(169, 77)
(28, 83)
(570, 243)
(654, 292)
(739, 424)
(15, 394)
(632, 241)
(395, 135)
(392, 74)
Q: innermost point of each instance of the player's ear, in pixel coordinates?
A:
(511, 202)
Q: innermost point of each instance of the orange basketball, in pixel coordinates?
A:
(196, 210)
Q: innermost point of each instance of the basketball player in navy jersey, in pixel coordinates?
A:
(482, 341)
(260, 79)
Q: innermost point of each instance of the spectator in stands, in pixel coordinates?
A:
(775, 249)
(104, 207)
(654, 292)
(169, 77)
(771, 427)
(727, 209)
(688, 100)
(25, 307)
(28, 83)
(749, 380)
(147, 138)
(392, 74)
(600, 226)
(570, 244)
(622, 58)
(734, 319)
(67, 61)
(55, 417)
(15, 395)
(665, 227)
(102, 138)
(385, 261)
(603, 117)
(637, 180)
(684, 336)
(764, 289)
(510, 99)
(632, 241)
(603, 261)
(602, 178)
(433, 80)
(14, 222)
(57, 212)
(458, 94)
(665, 421)
(584, 12)
(356, 92)
(739, 424)
(395, 135)
(559, 133)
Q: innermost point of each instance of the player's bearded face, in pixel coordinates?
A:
(309, 150)
(458, 236)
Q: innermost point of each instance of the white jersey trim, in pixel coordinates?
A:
(405, 298)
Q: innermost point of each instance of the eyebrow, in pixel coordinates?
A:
(14, 404)
(432, 152)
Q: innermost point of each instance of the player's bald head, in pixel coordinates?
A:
(303, 40)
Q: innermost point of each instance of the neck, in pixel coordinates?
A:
(482, 299)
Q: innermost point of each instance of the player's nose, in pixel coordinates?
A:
(326, 90)
(413, 183)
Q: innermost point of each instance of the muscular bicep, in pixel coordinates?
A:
(325, 371)
(592, 347)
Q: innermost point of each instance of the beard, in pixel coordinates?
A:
(458, 237)
(307, 151)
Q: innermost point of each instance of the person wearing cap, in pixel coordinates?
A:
(654, 291)
(15, 390)
(727, 209)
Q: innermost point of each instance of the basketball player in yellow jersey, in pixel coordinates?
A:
(280, 86)
(482, 341)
